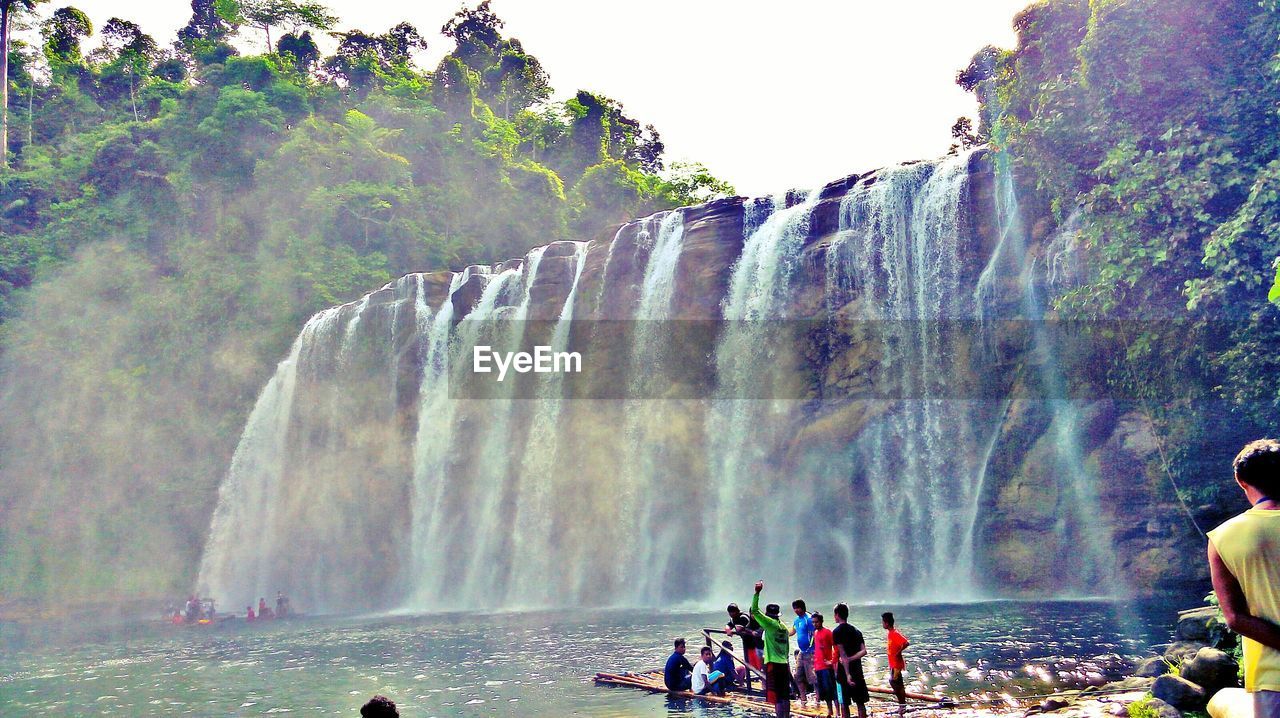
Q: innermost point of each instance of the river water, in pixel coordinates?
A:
(527, 664)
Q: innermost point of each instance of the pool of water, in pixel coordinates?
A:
(527, 664)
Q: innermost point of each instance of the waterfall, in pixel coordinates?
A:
(234, 561)
(1084, 544)
(746, 434)
(659, 566)
(821, 439)
(533, 532)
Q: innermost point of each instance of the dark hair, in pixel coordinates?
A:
(733, 608)
(841, 611)
(1258, 465)
(726, 644)
(815, 617)
(798, 603)
(679, 642)
(379, 707)
(772, 610)
(707, 650)
(887, 617)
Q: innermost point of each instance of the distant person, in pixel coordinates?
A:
(678, 674)
(1244, 562)
(282, 605)
(379, 707)
(746, 627)
(805, 676)
(705, 677)
(897, 644)
(193, 609)
(724, 663)
(850, 647)
(824, 662)
(249, 615)
(264, 611)
(777, 673)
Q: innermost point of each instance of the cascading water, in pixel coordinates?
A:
(539, 493)
(746, 433)
(234, 559)
(361, 480)
(1089, 561)
(901, 239)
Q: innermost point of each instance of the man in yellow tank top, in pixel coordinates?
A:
(1244, 560)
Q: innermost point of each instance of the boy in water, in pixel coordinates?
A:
(897, 644)
(851, 684)
(805, 676)
(824, 661)
(1244, 562)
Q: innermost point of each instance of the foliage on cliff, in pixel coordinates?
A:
(171, 214)
(1155, 123)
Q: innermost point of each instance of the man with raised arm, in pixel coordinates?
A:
(1244, 562)
(777, 672)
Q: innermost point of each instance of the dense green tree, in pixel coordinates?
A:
(63, 32)
(302, 47)
(361, 58)
(266, 14)
(11, 13)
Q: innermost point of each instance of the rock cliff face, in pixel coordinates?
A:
(833, 389)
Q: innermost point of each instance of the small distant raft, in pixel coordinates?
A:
(652, 681)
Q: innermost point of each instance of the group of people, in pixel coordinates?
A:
(264, 612)
(195, 610)
(828, 662)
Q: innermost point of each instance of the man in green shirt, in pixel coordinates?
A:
(777, 672)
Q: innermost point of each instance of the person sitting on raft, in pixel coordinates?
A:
(777, 639)
(249, 614)
(678, 674)
(705, 678)
(724, 664)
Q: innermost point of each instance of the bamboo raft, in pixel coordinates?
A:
(651, 681)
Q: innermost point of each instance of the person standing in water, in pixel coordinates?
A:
(850, 648)
(897, 644)
(777, 671)
(824, 662)
(1244, 563)
(805, 676)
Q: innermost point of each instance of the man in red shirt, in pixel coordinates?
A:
(824, 662)
(897, 644)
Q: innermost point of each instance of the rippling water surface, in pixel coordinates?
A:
(528, 664)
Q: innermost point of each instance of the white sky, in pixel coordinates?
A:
(768, 95)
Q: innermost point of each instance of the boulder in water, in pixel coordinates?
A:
(1152, 668)
(1162, 709)
(1180, 651)
(1212, 670)
(1201, 625)
(1179, 693)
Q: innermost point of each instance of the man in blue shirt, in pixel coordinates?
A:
(806, 677)
(724, 664)
(678, 674)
